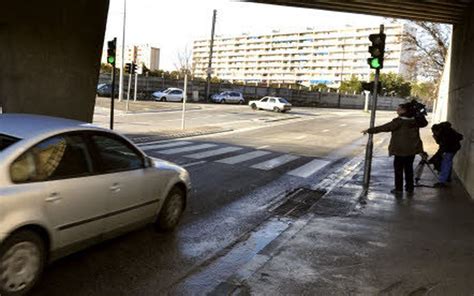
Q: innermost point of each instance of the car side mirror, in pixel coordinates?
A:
(148, 162)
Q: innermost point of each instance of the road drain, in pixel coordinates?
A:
(298, 203)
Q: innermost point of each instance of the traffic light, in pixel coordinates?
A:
(111, 51)
(377, 50)
(128, 68)
(134, 68)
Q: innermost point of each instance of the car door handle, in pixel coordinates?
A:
(115, 187)
(53, 197)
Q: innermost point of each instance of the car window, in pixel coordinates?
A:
(175, 92)
(116, 155)
(235, 94)
(167, 91)
(56, 158)
(6, 141)
(264, 100)
(284, 101)
(271, 101)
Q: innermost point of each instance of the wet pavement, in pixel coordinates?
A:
(293, 229)
(417, 245)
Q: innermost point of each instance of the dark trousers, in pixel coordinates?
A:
(404, 164)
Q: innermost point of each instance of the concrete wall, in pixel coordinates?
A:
(50, 56)
(461, 98)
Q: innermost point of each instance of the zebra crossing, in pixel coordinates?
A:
(259, 159)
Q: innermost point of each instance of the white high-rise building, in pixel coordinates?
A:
(307, 57)
(145, 54)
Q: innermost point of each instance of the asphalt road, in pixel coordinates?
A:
(237, 177)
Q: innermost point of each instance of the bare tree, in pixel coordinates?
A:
(183, 63)
(430, 42)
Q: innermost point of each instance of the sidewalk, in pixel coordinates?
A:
(422, 245)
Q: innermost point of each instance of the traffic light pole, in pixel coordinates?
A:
(370, 141)
(112, 93)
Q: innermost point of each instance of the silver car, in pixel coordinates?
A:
(66, 184)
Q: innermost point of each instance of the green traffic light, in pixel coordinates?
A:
(375, 63)
(111, 60)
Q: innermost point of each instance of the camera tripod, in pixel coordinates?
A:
(421, 167)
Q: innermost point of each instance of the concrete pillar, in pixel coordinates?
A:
(461, 98)
(50, 56)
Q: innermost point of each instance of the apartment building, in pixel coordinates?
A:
(145, 54)
(307, 57)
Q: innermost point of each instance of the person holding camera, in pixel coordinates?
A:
(405, 142)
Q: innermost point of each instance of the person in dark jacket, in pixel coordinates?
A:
(405, 143)
(449, 141)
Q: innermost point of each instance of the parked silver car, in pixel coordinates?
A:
(65, 184)
(228, 97)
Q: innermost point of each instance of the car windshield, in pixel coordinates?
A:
(168, 90)
(284, 101)
(6, 141)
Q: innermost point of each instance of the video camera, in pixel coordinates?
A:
(416, 108)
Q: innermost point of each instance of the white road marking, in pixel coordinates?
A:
(344, 124)
(243, 157)
(300, 137)
(325, 131)
(186, 149)
(215, 152)
(167, 145)
(263, 147)
(275, 162)
(193, 164)
(309, 168)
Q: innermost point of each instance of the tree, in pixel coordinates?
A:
(423, 91)
(394, 84)
(183, 62)
(319, 86)
(105, 68)
(352, 85)
(428, 43)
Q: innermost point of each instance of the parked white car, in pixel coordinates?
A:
(228, 97)
(169, 95)
(276, 104)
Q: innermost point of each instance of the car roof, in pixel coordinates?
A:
(25, 126)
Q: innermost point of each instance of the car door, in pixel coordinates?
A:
(74, 199)
(176, 95)
(123, 170)
(262, 104)
(234, 97)
(271, 104)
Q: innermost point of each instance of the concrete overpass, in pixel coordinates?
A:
(461, 83)
(50, 56)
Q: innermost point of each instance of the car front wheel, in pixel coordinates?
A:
(253, 106)
(22, 260)
(163, 99)
(172, 210)
(223, 101)
(276, 109)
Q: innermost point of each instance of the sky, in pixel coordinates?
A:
(174, 25)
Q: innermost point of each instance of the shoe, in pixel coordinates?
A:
(396, 192)
(410, 190)
(439, 185)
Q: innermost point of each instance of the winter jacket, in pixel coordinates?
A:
(447, 138)
(405, 140)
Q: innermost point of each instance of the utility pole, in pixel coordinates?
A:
(209, 67)
(376, 62)
(342, 72)
(122, 62)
